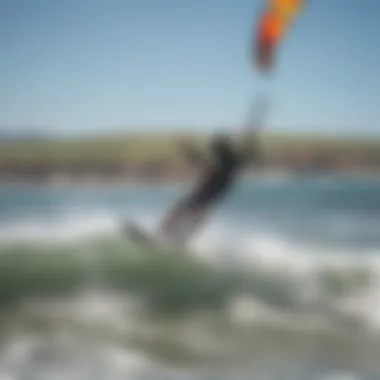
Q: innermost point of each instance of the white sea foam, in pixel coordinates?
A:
(223, 244)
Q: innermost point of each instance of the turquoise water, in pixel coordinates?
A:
(329, 212)
(282, 283)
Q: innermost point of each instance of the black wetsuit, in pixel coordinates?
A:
(217, 179)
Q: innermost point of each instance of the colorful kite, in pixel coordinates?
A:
(274, 21)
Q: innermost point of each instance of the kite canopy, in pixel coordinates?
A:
(274, 21)
(287, 8)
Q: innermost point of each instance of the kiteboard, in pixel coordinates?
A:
(143, 238)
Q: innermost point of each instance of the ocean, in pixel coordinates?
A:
(283, 282)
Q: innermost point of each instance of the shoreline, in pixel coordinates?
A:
(60, 181)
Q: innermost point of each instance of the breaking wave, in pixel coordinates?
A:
(233, 296)
(220, 269)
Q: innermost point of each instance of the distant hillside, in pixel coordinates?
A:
(10, 136)
(158, 156)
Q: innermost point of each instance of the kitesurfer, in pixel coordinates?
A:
(217, 175)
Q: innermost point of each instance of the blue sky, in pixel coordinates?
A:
(84, 65)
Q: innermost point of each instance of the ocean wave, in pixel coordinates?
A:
(177, 282)
(95, 334)
(139, 313)
(73, 292)
(257, 269)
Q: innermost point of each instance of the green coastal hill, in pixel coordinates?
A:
(122, 153)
